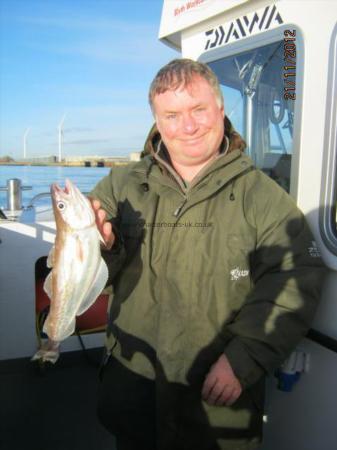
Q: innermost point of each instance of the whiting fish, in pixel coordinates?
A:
(79, 274)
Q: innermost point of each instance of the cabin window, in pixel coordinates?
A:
(259, 101)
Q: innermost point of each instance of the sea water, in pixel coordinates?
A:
(39, 178)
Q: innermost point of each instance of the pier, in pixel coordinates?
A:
(72, 161)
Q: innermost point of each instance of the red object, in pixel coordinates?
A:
(92, 320)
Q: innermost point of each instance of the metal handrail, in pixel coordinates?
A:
(37, 197)
(14, 190)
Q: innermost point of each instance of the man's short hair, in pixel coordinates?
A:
(180, 73)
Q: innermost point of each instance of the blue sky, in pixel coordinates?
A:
(92, 60)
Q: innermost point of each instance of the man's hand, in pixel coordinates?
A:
(103, 226)
(221, 387)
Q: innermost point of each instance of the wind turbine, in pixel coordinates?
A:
(25, 134)
(60, 134)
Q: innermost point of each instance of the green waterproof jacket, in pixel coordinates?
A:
(227, 264)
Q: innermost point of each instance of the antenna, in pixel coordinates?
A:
(60, 134)
(25, 134)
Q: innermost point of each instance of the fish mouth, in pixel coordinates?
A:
(69, 187)
(57, 191)
(71, 206)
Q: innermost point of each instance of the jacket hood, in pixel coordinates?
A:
(235, 140)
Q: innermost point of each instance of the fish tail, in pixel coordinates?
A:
(49, 351)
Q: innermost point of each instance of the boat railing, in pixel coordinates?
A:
(13, 190)
(36, 198)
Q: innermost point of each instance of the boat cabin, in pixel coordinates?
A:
(276, 63)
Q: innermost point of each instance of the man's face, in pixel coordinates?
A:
(191, 122)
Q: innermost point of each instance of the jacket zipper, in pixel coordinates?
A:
(180, 207)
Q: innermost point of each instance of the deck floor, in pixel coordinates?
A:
(54, 409)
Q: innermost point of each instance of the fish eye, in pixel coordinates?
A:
(61, 205)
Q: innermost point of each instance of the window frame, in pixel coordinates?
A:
(260, 40)
(328, 197)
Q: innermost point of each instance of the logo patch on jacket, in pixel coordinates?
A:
(314, 250)
(238, 273)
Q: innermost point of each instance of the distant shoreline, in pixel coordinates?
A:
(66, 164)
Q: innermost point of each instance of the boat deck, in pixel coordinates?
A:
(54, 409)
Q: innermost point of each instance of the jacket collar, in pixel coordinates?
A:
(156, 161)
(162, 157)
(221, 171)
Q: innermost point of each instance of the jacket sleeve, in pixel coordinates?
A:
(287, 274)
(106, 193)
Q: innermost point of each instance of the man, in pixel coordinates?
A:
(212, 278)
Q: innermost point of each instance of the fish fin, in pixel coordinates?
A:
(96, 288)
(50, 259)
(62, 332)
(47, 285)
(100, 237)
